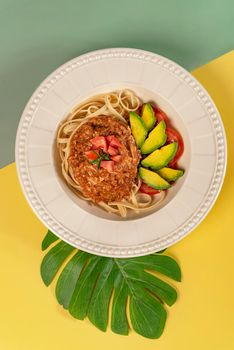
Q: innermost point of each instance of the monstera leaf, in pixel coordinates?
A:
(90, 285)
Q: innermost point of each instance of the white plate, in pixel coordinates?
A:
(191, 111)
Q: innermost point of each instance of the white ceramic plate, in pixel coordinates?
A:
(191, 111)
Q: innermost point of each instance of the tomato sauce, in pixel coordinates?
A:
(99, 184)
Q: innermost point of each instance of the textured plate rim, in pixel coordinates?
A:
(104, 249)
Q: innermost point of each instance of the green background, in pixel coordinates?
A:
(38, 36)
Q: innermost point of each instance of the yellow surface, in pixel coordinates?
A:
(203, 317)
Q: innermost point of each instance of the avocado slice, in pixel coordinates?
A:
(161, 157)
(170, 174)
(153, 179)
(148, 116)
(138, 128)
(157, 137)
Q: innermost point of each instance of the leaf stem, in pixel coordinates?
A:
(121, 269)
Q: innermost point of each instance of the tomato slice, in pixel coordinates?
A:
(113, 141)
(174, 166)
(99, 142)
(147, 189)
(160, 114)
(172, 136)
(112, 151)
(91, 155)
(139, 111)
(108, 165)
(116, 159)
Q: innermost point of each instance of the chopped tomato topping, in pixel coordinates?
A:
(112, 151)
(147, 189)
(91, 155)
(109, 145)
(99, 142)
(108, 165)
(113, 141)
(116, 159)
(174, 135)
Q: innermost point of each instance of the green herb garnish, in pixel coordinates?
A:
(101, 156)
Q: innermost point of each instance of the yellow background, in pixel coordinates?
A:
(203, 316)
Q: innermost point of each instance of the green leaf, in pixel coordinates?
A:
(101, 295)
(119, 321)
(147, 315)
(83, 291)
(99, 163)
(68, 278)
(161, 289)
(87, 283)
(53, 260)
(48, 240)
(159, 263)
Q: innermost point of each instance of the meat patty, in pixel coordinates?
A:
(99, 184)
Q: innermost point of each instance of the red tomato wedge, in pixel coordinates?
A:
(174, 166)
(99, 142)
(160, 114)
(147, 189)
(139, 111)
(91, 155)
(112, 151)
(113, 141)
(108, 165)
(116, 159)
(174, 135)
